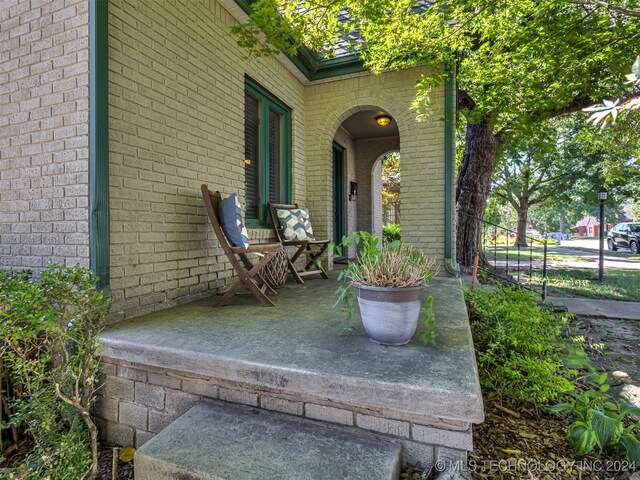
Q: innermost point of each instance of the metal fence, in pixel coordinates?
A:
(505, 258)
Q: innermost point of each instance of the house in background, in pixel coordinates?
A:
(588, 226)
(115, 112)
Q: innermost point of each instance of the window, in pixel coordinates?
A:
(267, 150)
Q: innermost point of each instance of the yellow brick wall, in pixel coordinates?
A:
(421, 149)
(176, 98)
(44, 133)
(176, 106)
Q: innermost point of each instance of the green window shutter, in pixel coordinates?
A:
(267, 129)
(251, 156)
(275, 160)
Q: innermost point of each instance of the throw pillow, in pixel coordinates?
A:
(295, 224)
(230, 213)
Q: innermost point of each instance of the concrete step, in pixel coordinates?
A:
(222, 441)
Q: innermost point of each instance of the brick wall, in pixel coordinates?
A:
(176, 121)
(421, 146)
(44, 128)
(135, 402)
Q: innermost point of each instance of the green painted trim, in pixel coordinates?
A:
(244, 5)
(268, 102)
(449, 160)
(338, 193)
(313, 66)
(319, 68)
(99, 140)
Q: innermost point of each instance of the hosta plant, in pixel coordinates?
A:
(602, 422)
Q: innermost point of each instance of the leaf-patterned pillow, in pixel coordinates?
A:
(295, 224)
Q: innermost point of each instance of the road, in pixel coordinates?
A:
(588, 250)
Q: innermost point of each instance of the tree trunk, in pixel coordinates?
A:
(523, 213)
(472, 189)
(563, 228)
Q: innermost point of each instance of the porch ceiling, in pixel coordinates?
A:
(298, 349)
(362, 125)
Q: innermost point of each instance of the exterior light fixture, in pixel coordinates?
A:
(383, 120)
(603, 194)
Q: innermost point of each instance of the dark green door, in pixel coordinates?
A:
(338, 193)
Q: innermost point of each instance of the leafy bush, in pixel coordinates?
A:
(601, 421)
(391, 232)
(49, 351)
(517, 345)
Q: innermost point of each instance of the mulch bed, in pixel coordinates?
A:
(105, 459)
(518, 442)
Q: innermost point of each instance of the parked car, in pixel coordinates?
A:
(558, 236)
(624, 235)
(532, 232)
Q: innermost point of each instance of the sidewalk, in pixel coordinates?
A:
(599, 308)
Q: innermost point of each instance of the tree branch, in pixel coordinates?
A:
(465, 100)
(609, 6)
(508, 198)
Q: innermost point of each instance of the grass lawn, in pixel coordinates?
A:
(583, 282)
(536, 253)
(572, 281)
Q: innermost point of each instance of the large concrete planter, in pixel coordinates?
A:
(389, 314)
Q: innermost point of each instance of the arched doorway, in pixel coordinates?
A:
(359, 142)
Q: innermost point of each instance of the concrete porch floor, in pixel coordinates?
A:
(298, 353)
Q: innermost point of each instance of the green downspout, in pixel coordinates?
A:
(99, 140)
(449, 165)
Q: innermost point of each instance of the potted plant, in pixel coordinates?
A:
(389, 282)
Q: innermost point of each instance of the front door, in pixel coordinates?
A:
(338, 194)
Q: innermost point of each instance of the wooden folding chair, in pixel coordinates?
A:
(313, 249)
(250, 274)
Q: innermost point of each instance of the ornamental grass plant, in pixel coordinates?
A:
(391, 265)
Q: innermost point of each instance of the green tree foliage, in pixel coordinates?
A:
(518, 61)
(391, 232)
(609, 111)
(558, 169)
(535, 171)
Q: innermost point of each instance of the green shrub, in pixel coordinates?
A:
(391, 232)
(517, 345)
(540, 241)
(602, 421)
(49, 351)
